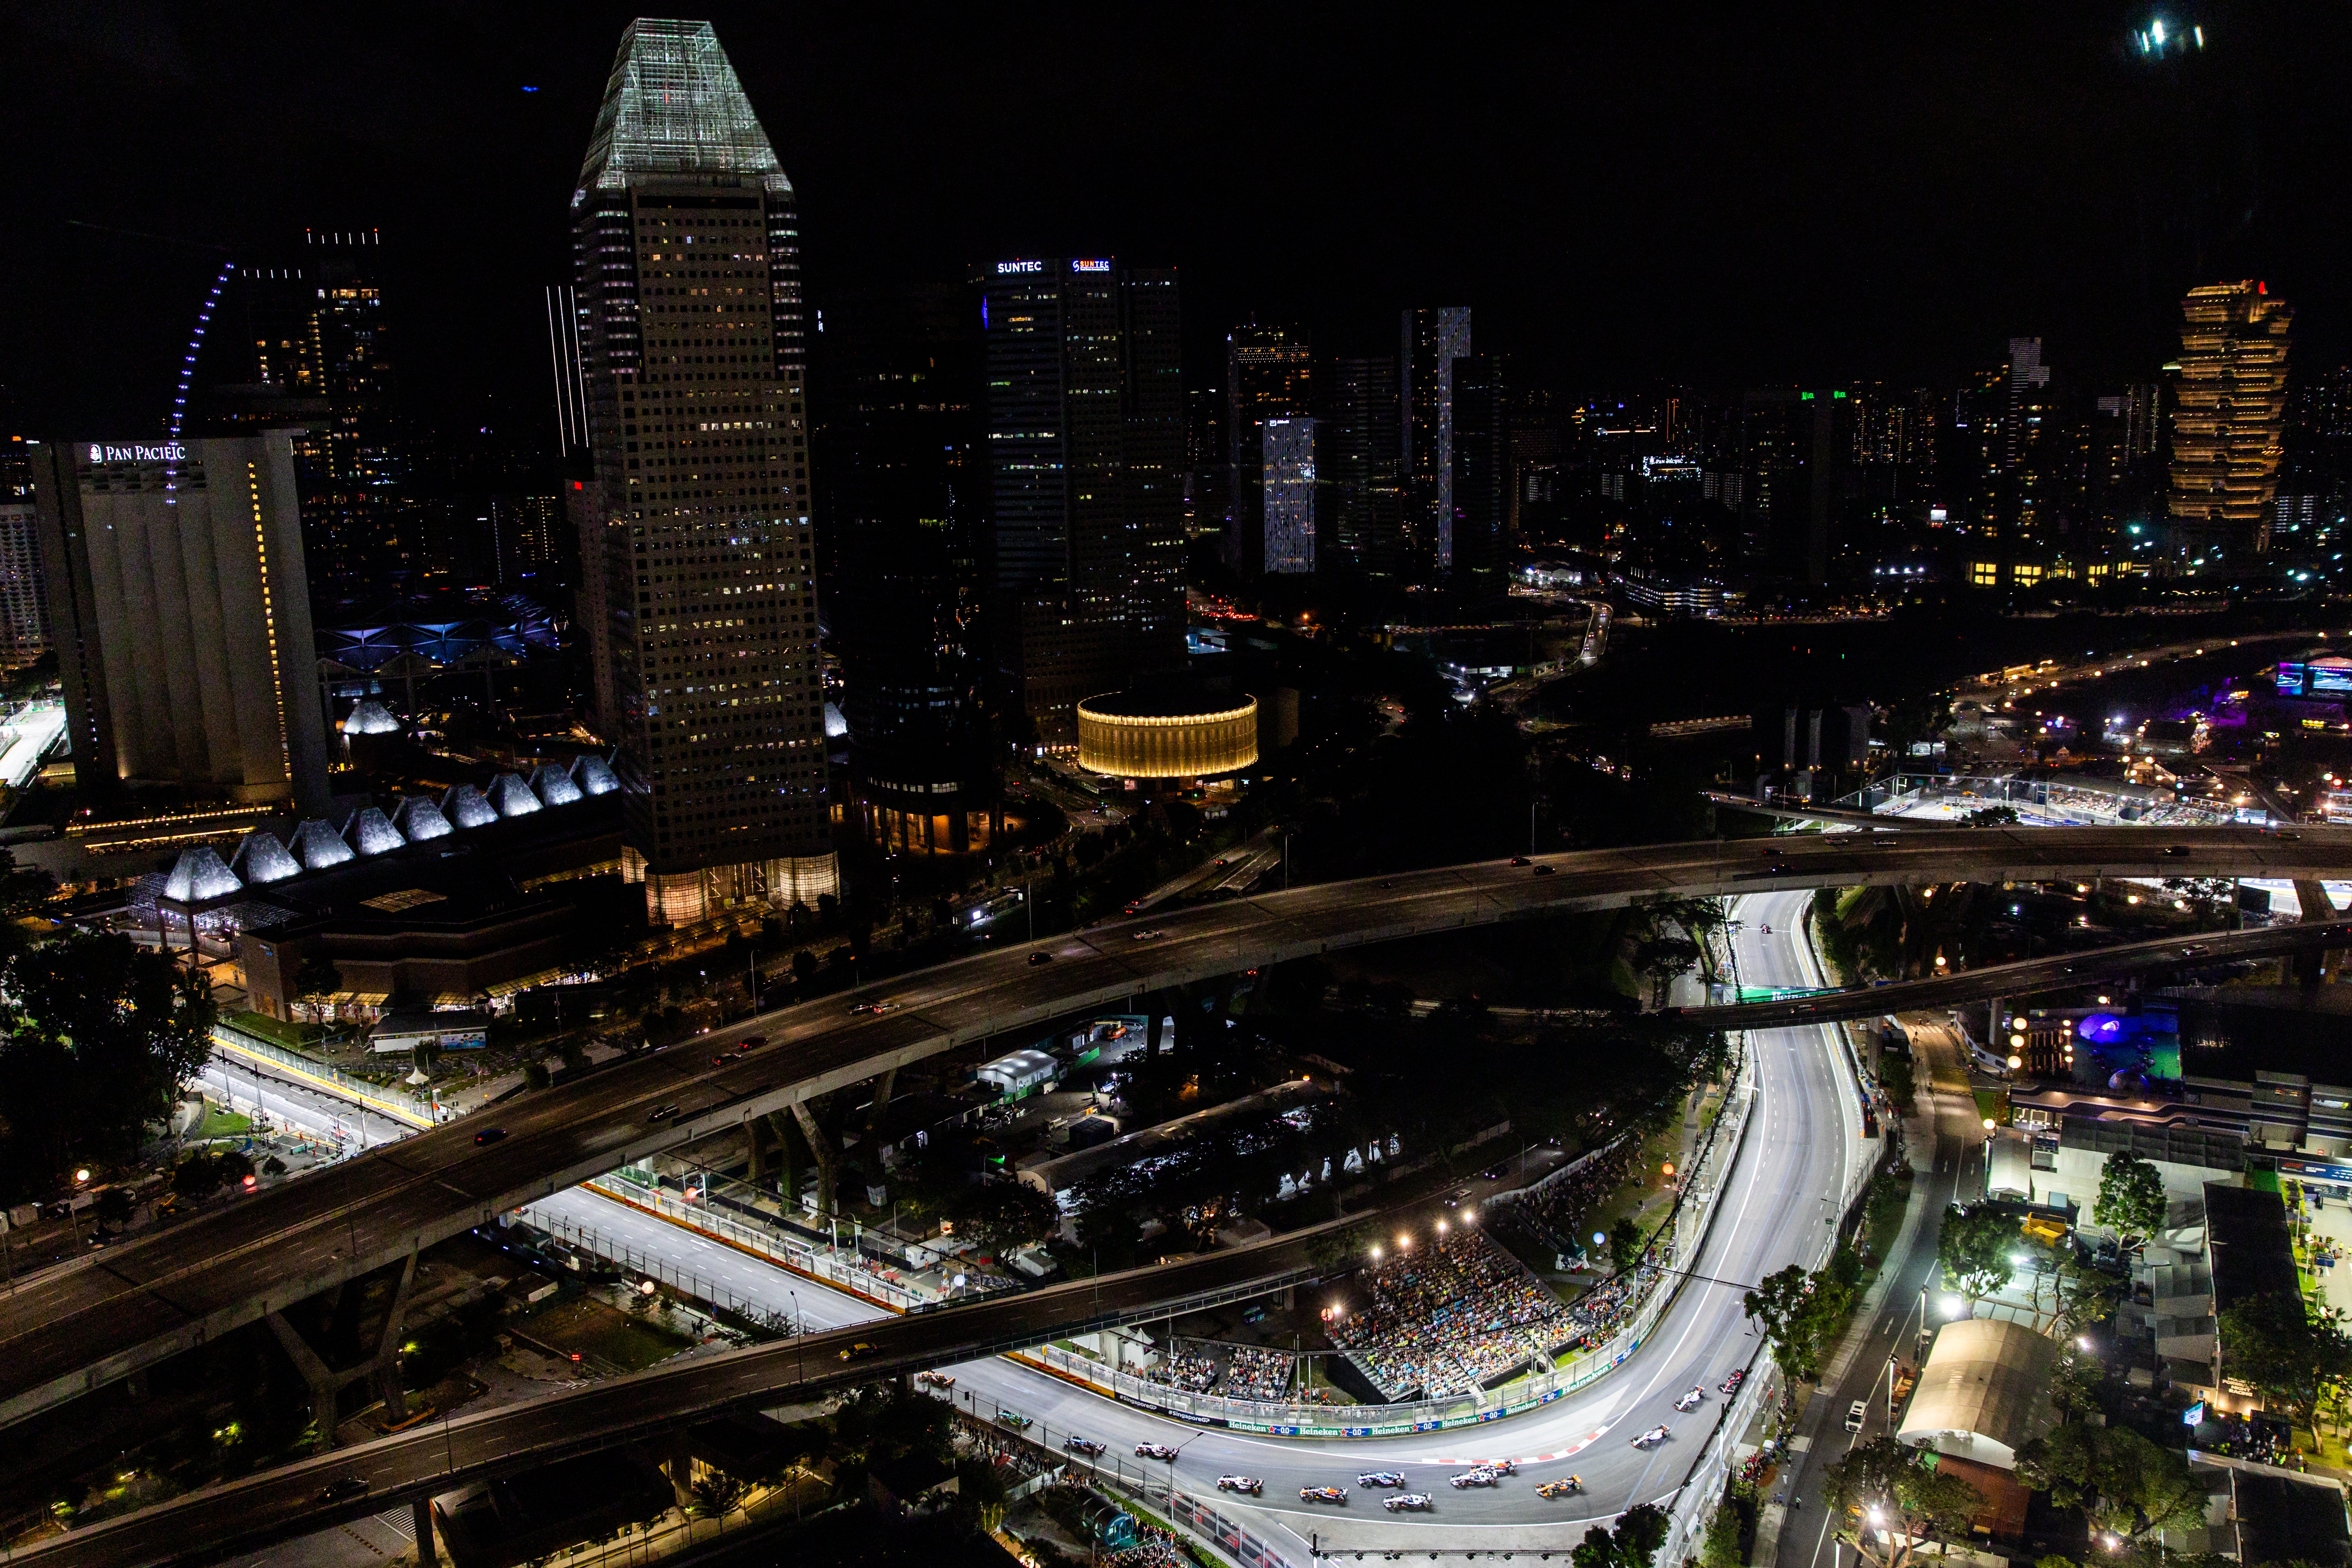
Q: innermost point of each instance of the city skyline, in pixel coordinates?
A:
(2067, 209)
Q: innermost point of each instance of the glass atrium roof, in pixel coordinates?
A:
(673, 106)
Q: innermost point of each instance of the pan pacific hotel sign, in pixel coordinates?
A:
(167, 452)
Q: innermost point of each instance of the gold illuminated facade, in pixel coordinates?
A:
(2230, 411)
(1130, 738)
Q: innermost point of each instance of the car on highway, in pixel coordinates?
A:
(1013, 1418)
(343, 1487)
(1036, 958)
(489, 1134)
(1416, 1502)
(1135, 907)
(1077, 1445)
(1249, 1484)
(1223, 861)
(1380, 1478)
(1154, 1451)
(1565, 1486)
(660, 1114)
(1481, 1477)
(1653, 1436)
(751, 1042)
(1738, 1376)
(1546, 871)
(1521, 861)
(935, 1380)
(1145, 936)
(1323, 1494)
(859, 1351)
(718, 1061)
(1690, 1400)
(872, 1007)
(1857, 1413)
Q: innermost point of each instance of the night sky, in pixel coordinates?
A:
(1888, 192)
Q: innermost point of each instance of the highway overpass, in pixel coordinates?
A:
(103, 1317)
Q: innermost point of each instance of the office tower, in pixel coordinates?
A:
(1269, 375)
(1793, 446)
(895, 379)
(1480, 439)
(1432, 340)
(2228, 417)
(304, 344)
(175, 599)
(2027, 376)
(24, 602)
(1084, 442)
(1207, 484)
(1286, 494)
(1357, 444)
(696, 561)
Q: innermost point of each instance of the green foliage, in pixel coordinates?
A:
(2123, 1483)
(1006, 1214)
(96, 1039)
(1993, 817)
(1624, 1244)
(1800, 1313)
(715, 1496)
(2292, 1357)
(1641, 1530)
(1975, 1248)
(536, 1076)
(1913, 1503)
(1720, 1546)
(2130, 1201)
(316, 977)
(1894, 1076)
(2074, 1385)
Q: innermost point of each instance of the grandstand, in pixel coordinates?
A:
(1450, 1317)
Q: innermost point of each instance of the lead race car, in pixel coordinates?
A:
(1690, 1401)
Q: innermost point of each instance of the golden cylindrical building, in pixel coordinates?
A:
(1129, 736)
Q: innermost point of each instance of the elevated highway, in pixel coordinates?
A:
(83, 1325)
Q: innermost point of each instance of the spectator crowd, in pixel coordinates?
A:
(1448, 1318)
(1256, 1372)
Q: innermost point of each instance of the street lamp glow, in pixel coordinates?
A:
(82, 1174)
(1988, 1124)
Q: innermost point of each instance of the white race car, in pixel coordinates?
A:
(1418, 1501)
(1249, 1484)
(1481, 1477)
(1652, 1438)
(1690, 1401)
(1154, 1451)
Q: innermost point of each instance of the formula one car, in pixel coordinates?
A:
(1418, 1501)
(1690, 1401)
(1566, 1486)
(1154, 1451)
(1738, 1376)
(935, 1380)
(1501, 1467)
(1653, 1438)
(1013, 1418)
(1085, 1445)
(1380, 1478)
(1323, 1494)
(1478, 1478)
(1249, 1484)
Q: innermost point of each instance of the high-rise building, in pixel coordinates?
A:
(697, 553)
(1481, 488)
(305, 344)
(24, 599)
(2229, 415)
(2027, 376)
(1286, 489)
(176, 598)
(1269, 375)
(1085, 439)
(895, 379)
(1357, 444)
(1432, 340)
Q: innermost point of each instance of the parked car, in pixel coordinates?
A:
(1857, 1413)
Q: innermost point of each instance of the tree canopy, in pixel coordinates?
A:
(1800, 1313)
(1902, 1501)
(2130, 1201)
(96, 1038)
(1975, 1248)
(1641, 1530)
(2291, 1355)
(2124, 1484)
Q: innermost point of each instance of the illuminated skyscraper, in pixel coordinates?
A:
(1085, 439)
(697, 555)
(2228, 416)
(1286, 485)
(1432, 340)
(1360, 446)
(1269, 375)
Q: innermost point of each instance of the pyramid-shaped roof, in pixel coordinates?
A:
(198, 875)
(673, 107)
(592, 774)
(464, 807)
(318, 846)
(553, 785)
(419, 819)
(260, 857)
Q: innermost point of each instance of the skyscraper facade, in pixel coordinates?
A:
(2228, 416)
(1359, 443)
(184, 637)
(1481, 484)
(1083, 431)
(697, 551)
(1432, 340)
(1269, 375)
(1287, 486)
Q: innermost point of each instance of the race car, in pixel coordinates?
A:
(1501, 1467)
(1085, 1445)
(1404, 1500)
(1690, 1401)
(1323, 1494)
(1652, 1438)
(1481, 1477)
(1738, 1376)
(935, 1380)
(1013, 1418)
(1249, 1484)
(1380, 1478)
(1566, 1486)
(1154, 1451)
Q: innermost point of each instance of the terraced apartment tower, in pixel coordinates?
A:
(697, 553)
